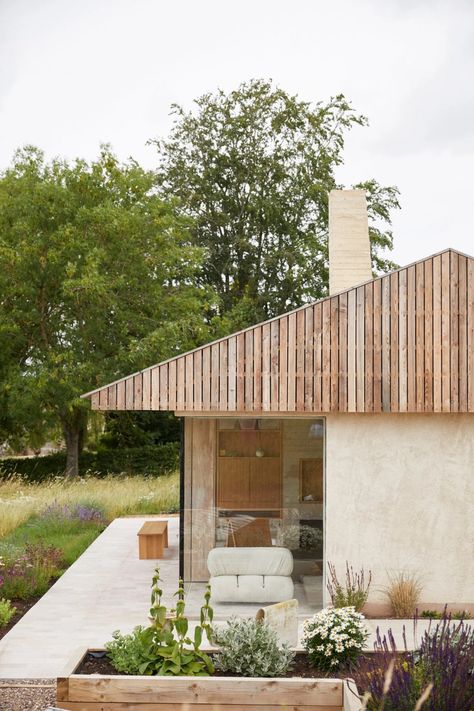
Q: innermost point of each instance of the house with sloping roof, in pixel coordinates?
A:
(341, 431)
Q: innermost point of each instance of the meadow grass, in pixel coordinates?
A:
(71, 536)
(114, 495)
(45, 527)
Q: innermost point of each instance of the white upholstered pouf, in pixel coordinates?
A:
(250, 574)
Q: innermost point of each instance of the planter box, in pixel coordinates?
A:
(95, 692)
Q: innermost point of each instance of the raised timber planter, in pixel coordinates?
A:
(95, 692)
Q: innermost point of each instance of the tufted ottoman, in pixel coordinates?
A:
(250, 574)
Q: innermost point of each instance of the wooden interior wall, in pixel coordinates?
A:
(400, 343)
(199, 477)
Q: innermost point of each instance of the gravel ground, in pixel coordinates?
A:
(27, 694)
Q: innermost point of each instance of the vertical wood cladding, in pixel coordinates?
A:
(403, 342)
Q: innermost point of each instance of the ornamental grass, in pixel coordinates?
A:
(403, 593)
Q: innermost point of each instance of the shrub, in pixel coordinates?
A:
(334, 637)
(152, 460)
(355, 591)
(6, 612)
(403, 593)
(250, 648)
(164, 647)
(441, 670)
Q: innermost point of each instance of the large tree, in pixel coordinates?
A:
(253, 168)
(97, 278)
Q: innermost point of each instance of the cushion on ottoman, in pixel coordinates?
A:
(250, 561)
(251, 574)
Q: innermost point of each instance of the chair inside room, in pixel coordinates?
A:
(245, 533)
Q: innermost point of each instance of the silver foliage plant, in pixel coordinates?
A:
(251, 648)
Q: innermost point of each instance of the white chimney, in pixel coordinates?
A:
(349, 246)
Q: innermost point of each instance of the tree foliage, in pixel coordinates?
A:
(253, 168)
(97, 279)
(106, 268)
(139, 429)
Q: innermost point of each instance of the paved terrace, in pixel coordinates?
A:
(108, 588)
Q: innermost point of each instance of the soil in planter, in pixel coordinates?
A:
(301, 668)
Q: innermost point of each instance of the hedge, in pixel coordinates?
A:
(152, 460)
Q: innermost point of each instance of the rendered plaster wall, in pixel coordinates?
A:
(400, 497)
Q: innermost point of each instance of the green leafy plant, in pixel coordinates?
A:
(461, 615)
(431, 614)
(403, 593)
(250, 648)
(355, 591)
(6, 612)
(434, 615)
(334, 636)
(165, 648)
(126, 651)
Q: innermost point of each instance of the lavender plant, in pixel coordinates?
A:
(443, 664)
(73, 512)
(354, 592)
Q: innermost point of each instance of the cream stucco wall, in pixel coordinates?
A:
(400, 496)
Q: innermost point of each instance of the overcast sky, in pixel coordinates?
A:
(76, 73)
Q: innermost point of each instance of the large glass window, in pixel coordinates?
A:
(270, 488)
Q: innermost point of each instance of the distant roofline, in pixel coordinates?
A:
(274, 318)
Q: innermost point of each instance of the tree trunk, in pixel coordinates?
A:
(71, 437)
(74, 430)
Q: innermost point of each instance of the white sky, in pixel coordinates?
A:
(75, 73)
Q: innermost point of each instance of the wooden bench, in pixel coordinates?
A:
(152, 539)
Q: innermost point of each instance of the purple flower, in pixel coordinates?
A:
(445, 658)
(73, 512)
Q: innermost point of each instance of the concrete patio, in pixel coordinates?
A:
(108, 588)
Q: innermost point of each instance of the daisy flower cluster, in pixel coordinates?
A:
(334, 636)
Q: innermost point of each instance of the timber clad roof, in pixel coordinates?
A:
(403, 342)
